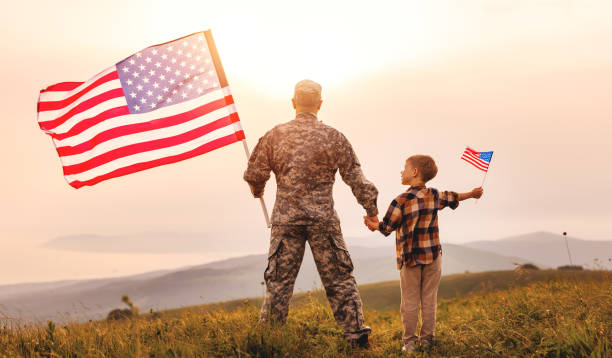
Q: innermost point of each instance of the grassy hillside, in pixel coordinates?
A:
(218, 281)
(529, 314)
(384, 296)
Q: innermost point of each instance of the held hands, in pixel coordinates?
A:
(371, 222)
(476, 193)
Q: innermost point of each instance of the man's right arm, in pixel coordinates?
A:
(350, 171)
(258, 170)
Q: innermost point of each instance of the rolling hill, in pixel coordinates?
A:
(218, 281)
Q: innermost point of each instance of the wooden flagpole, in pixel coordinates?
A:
(261, 200)
(223, 83)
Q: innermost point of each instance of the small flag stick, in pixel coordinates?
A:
(567, 247)
(223, 83)
(483, 179)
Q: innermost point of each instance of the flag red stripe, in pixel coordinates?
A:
(135, 148)
(205, 148)
(471, 151)
(81, 107)
(481, 163)
(474, 163)
(63, 86)
(155, 123)
(474, 157)
(90, 122)
(474, 160)
(55, 105)
(479, 168)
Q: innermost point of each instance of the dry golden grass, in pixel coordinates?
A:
(569, 316)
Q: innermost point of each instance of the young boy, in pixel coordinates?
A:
(414, 217)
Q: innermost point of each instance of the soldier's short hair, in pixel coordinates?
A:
(307, 94)
(425, 164)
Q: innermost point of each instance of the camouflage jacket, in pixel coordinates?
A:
(304, 155)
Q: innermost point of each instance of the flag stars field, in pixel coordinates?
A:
(183, 67)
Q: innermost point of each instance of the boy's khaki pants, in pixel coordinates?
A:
(420, 284)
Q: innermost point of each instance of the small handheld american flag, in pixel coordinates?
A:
(480, 160)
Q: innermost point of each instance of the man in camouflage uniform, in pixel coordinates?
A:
(304, 155)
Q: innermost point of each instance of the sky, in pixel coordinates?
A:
(529, 80)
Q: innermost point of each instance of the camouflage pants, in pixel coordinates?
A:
(335, 268)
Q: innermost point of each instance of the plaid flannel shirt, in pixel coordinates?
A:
(414, 217)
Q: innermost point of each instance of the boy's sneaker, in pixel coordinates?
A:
(408, 347)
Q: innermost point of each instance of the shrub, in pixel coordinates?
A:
(570, 267)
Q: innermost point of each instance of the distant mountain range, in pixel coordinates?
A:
(152, 242)
(242, 276)
(549, 249)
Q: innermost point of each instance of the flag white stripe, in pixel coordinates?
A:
(474, 162)
(92, 112)
(147, 136)
(50, 96)
(150, 155)
(141, 118)
(105, 87)
(475, 159)
(477, 166)
(472, 156)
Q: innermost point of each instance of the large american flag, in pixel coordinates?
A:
(480, 160)
(164, 104)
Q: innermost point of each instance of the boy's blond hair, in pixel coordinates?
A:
(425, 164)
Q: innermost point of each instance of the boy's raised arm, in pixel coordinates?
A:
(451, 199)
(475, 193)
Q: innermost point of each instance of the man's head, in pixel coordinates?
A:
(419, 169)
(307, 97)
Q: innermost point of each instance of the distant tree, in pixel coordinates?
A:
(570, 267)
(121, 314)
(528, 266)
(154, 314)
